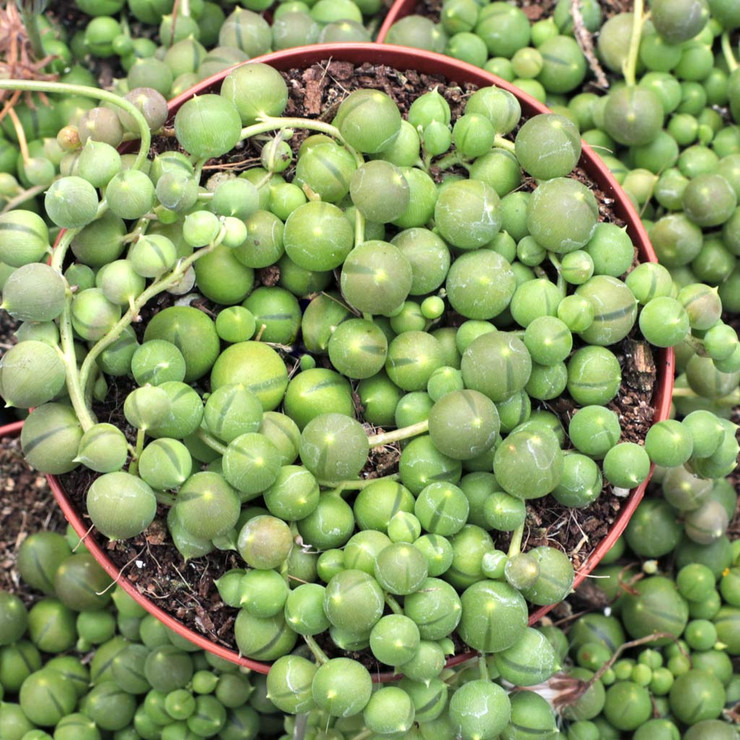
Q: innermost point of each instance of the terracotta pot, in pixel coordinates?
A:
(11, 430)
(429, 63)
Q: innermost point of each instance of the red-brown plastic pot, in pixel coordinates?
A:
(455, 71)
(11, 430)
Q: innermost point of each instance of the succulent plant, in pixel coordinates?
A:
(540, 297)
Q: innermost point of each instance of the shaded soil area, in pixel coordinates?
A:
(186, 590)
(27, 505)
(7, 340)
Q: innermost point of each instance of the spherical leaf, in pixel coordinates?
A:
(25, 237)
(120, 505)
(50, 438)
(71, 202)
(463, 424)
(207, 506)
(480, 709)
(34, 292)
(494, 616)
(208, 126)
(369, 120)
(31, 373)
(334, 447)
(548, 145)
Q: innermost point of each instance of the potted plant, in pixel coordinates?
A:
(256, 448)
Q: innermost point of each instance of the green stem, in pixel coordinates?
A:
(450, 160)
(30, 21)
(59, 254)
(376, 440)
(23, 196)
(164, 498)
(359, 227)
(75, 387)
(503, 143)
(697, 345)
(271, 123)
(157, 287)
(198, 168)
(137, 231)
(395, 607)
(209, 441)
(426, 161)
(727, 52)
(630, 63)
(123, 22)
(561, 285)
(66, 90)
(728, 401)
(140, 439)
(516, 541)
(483, 668)
(318, 653)
(89, 390)
(355, 485)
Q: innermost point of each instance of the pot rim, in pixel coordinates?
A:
(454, 70)
(11, 430)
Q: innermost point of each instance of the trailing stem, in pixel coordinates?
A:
(630, 63)
(354, 485)
(157, 287)
(140, 439)
(59, 253)
(393, 605)
(20, 134)
(728, 401)
(30, 12)
(504, 143)
(273, 123)
(23, 196)
(209, 441)
(732, 63)
(318, 653)
(66, 89)
(67, 352)
(516, 541)
(397, 435)
(483, 668)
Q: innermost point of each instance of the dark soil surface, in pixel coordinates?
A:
(187, 590)
(7, 340)
(27, 505)
(8, 326)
